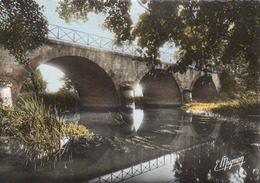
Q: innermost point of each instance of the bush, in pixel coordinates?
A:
(229, 86)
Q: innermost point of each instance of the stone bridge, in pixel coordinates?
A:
(107, 78)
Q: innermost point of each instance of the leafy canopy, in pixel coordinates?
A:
(118, 20)
(22, 27)
(221, 34)
(68, 84)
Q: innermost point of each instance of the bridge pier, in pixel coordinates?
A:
(127, 96)
(187, 96)
(5, 93)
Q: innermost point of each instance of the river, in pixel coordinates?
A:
(153, 145)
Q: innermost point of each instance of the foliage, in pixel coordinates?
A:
(68, 84)
(61, 99)
(22, 27)
(229, 86)
(118, 19)
(74, 130)
(34, 83)
(37, 128)
(216, 34)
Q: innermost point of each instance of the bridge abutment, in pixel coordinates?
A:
(187, 96)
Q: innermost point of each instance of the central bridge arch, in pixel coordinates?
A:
(160, 88)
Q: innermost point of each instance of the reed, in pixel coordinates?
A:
(37, 128)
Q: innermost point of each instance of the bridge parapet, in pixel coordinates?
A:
(82, 38)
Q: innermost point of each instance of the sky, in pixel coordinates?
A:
(92, 26)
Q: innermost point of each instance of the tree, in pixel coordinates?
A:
(35, 83)
(22, 27)
(118, 20)
(221, 35)
(68, 84)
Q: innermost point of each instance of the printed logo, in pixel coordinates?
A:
(225, 163)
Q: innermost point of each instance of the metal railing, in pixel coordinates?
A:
(134, 170)
(144, 167)
(86, 39)
(82, 38)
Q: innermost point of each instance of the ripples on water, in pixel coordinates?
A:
(153, 145)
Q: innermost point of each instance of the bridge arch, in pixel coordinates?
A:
(94, 83)
(160, 88)
(203, 88)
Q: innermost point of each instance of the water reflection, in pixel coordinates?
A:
(137, 138)
(138, 118)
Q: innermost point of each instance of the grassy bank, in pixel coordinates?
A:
(243, 104)
(36, 129)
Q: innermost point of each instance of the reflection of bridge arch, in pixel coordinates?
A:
(161, 125)
(203, 126)
(160, 88)
(189, 135)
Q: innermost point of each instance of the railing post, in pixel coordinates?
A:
(58, 36)
(122, 174)
(74, 32)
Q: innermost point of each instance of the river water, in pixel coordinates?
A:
(153, 145)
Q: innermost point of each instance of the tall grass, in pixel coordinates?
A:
(60, 99)
(36, 129)
(247, 103)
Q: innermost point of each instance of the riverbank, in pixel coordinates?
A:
(240, 107)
